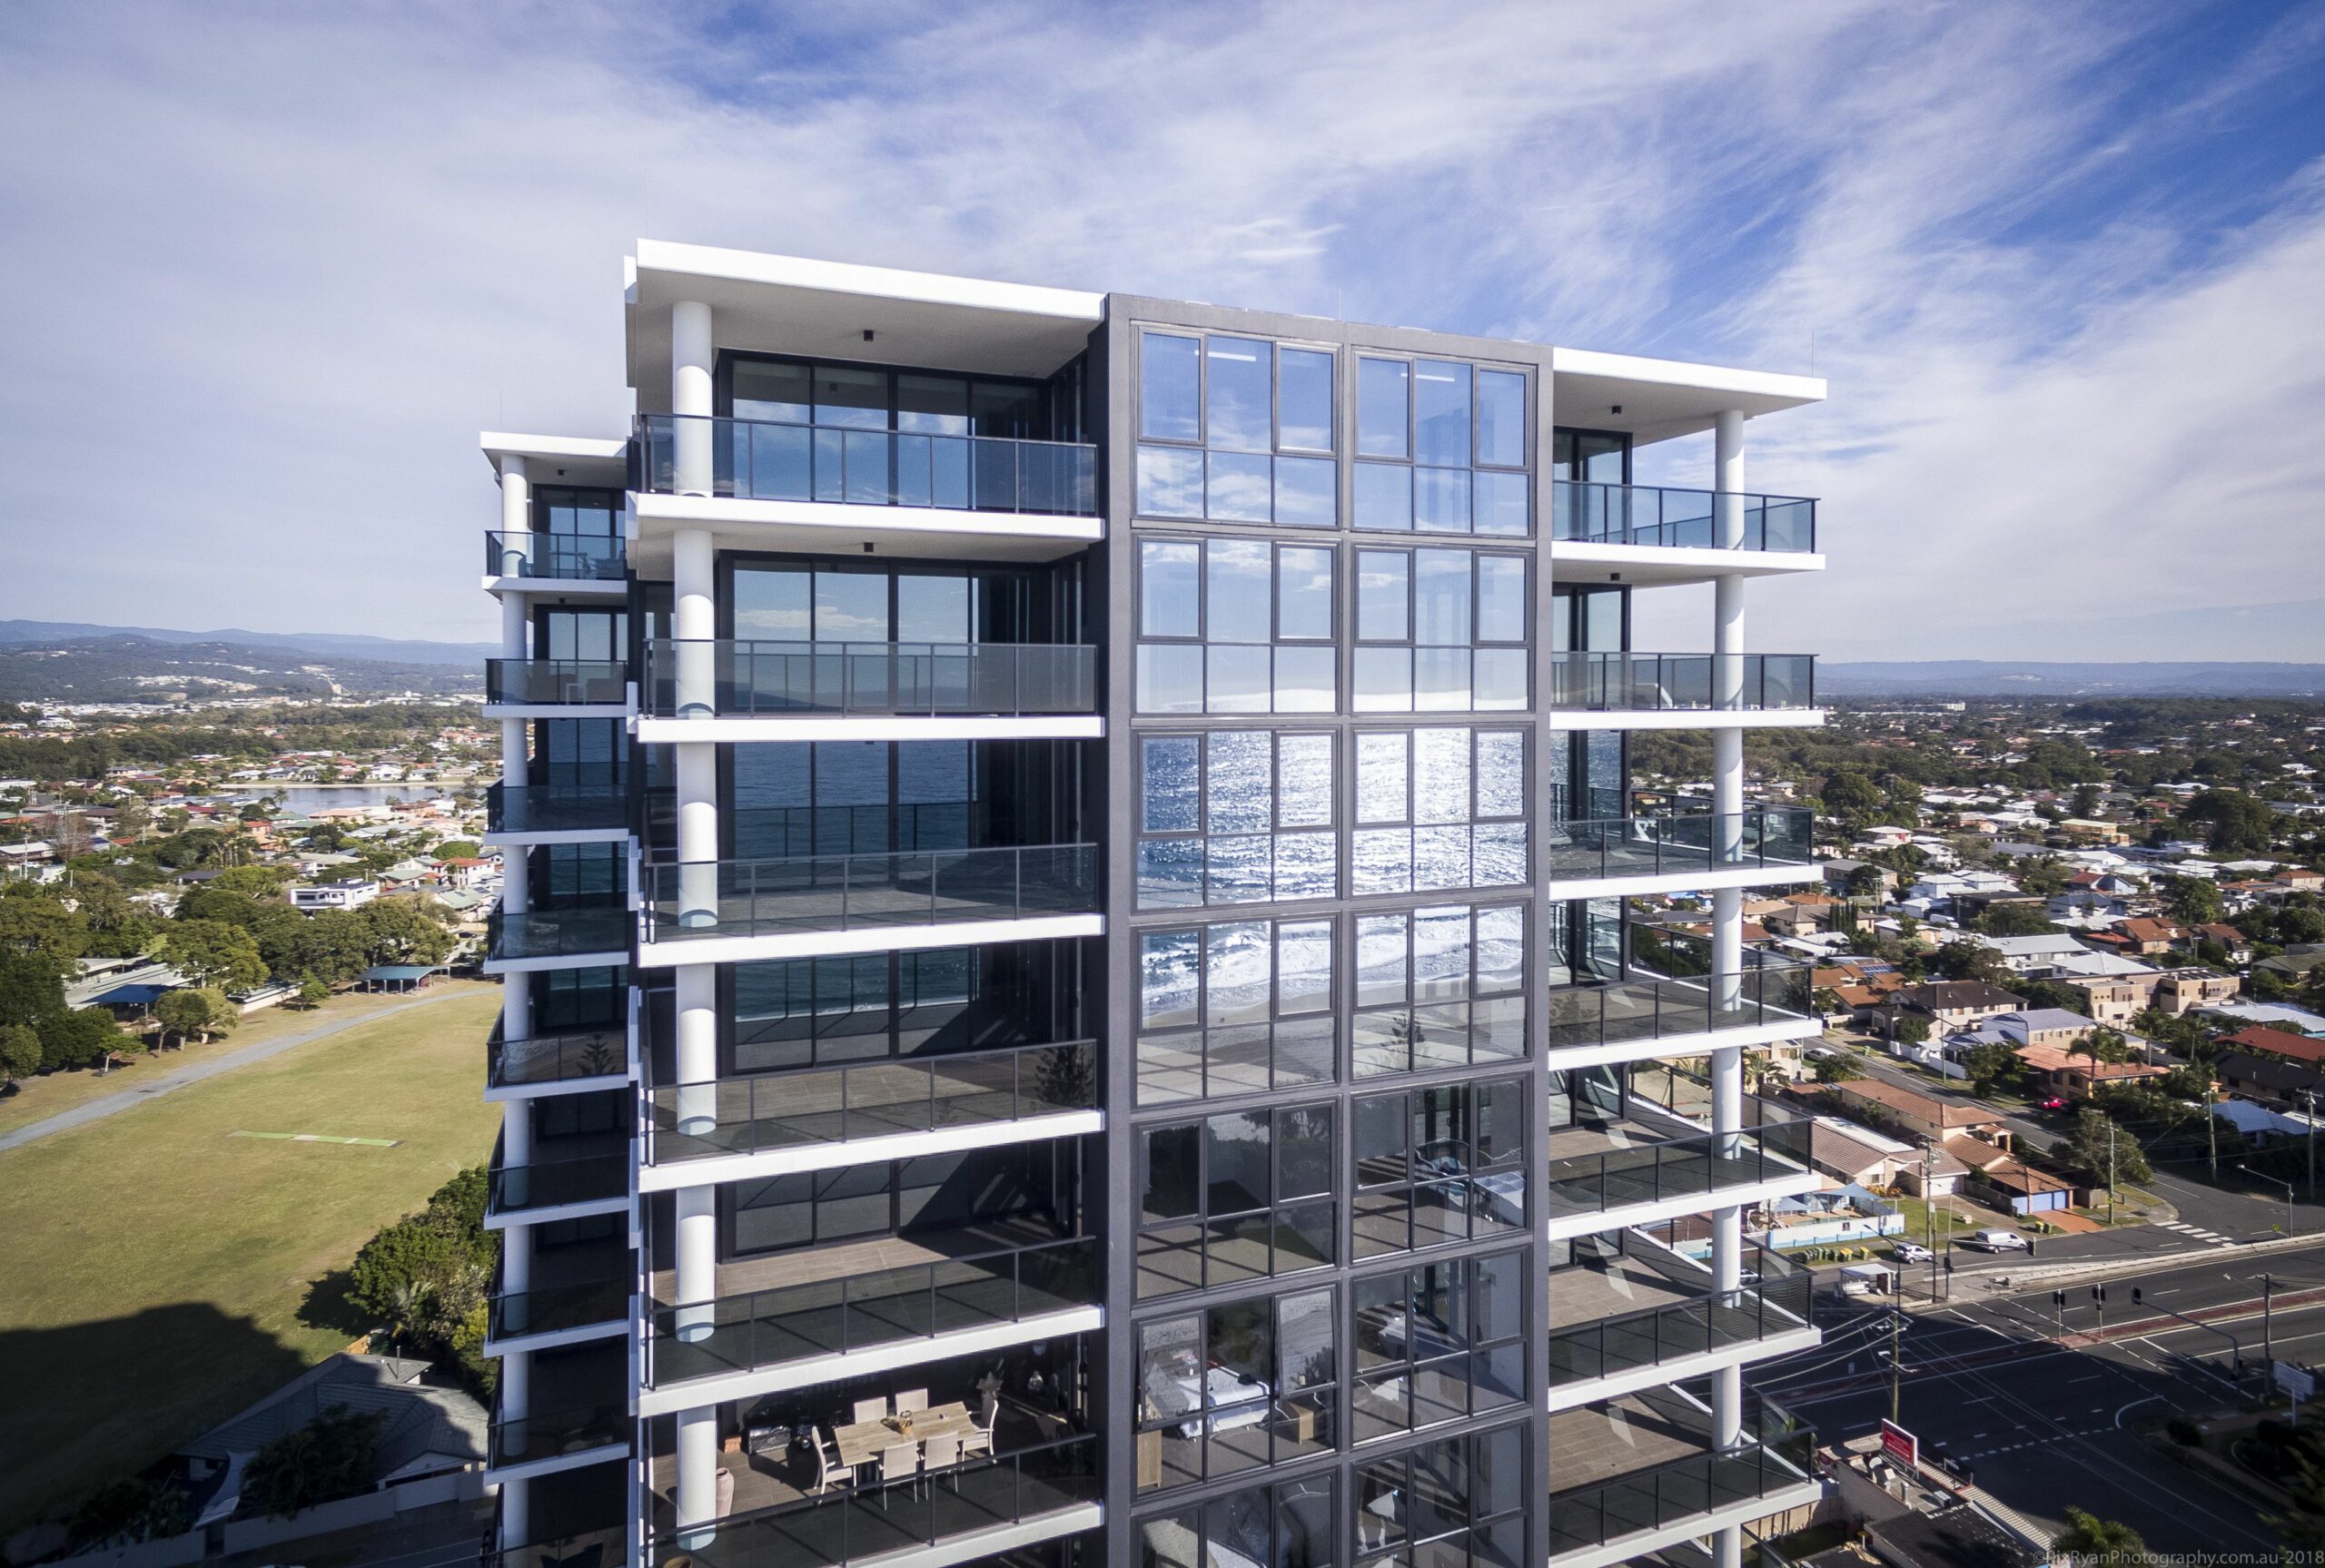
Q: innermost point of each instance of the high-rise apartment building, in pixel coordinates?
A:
(1091, 974)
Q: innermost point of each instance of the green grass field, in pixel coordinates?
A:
(159, 1270)
(41, 1098)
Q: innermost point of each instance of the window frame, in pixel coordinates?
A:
(1371, 1199)
(1474, 1349)
(1199, 1033)
(1320, 1394)
(1164, 1237)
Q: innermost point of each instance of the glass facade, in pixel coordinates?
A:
(1235, 626)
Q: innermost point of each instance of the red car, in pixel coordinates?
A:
(2054, 1103)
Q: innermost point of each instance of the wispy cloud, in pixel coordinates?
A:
(269, 267)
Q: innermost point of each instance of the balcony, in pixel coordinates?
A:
(555, 683)
(590, 1058)
(1604, 1174)
(559, 1309)
(594, 801)
(556, 558)
(1683, 683)
(770, 460)
(559, 1439)
(1615, 849)
(920, 898)
(778, 680)
(594, 935)
(1619, 1493)
(1648, 1315)
(1613, 1021)
(865, 1296)
(826, 1109)
(1675, 518)
(588, 1175)
(1018, 1490)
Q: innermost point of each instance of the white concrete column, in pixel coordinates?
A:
(696, 622)
(515, 1404)
(697, 1488)
(516, 518)
(698, 1260)
(690, 397)
(697, 1048)
(1728, 917)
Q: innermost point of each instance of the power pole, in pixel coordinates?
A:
(1929, 1213)
(1897, 1332)
(2111, 1170)
(2311, 1095)
(2211, 1133)
(2268, 1347)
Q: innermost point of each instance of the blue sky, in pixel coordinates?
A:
(270, 268)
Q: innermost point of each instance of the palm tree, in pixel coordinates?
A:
(407, 1305)
(2092, 1540)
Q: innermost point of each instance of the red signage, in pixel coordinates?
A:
(1901, 1444)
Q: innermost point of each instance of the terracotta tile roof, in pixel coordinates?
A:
(2277, 1042)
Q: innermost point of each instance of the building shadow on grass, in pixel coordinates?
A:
(92, 1403)
(327, 1306)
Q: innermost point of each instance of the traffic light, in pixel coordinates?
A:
(2059, 1300)
(2099, 1295)
(2135, 1296)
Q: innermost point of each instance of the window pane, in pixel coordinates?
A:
(1303, 580)
(1441, 500)
(1241, 489)
(1305, 400)
(1303, 966)
(772, 605)
(1170, 872)
(1303, 1151)
(765, 391)
(1500, 505)
(1235, 680)
(1171, 1173)
(1241, 797)
(1170, 678)
(1235, 574)
(1381, 407)
(1501, 599)
(1170, 387)
(1379, 960)
(1237, 1147)
(936, 405)
(1170, 482)
(856, 399)
(1381, 760)
(1442, 954)
(851, 607)
(1442, 775)
(1240, 370)
(1384, 680)
(1307, 492)
(1501, 772)
(1381, 591)
(1306, 681)
(1166, 979)
(1442, 599)
(1236, 962)
(1499, 680)
(1384, 496)
(1167, 766)
(1501, 948)
(1501, 419)
(1305, 770)
(931, 609)
(1170, 589)
(1441, 413)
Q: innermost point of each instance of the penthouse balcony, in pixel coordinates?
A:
(1643, 1473)
(1649, 1315)
(570, 805)
(777, 460)
(1616, 856)
(884, 1302)
(556, 1061)
(583, 936)
(1669, 685)
(1669, 519)
(587, 688)
(556, 560)
(1673, 1014)
(1615, 1173)
(766, 688)
(817, 1118)
(708, 911)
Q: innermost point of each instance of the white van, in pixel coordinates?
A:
(1997, 1241)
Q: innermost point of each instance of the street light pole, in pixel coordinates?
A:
(2290, 1228)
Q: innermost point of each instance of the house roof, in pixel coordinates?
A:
(2267, 1072)
(2277, 1042)
(2017, 1176)
(1943, 1111)
(2060, 1057)
(421, 1420)
(2035, 1018)
(1949, 994)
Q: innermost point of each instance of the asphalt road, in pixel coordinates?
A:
(2044, 1416)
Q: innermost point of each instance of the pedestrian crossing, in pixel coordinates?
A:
(2197, 1232)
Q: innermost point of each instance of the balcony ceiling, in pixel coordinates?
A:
(1661, 398)
(788, 304)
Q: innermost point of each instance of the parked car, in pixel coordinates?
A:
(1911, 1252)
(1998, 1241)
(2054, 1102)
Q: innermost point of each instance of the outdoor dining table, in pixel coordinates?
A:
(862, 1442)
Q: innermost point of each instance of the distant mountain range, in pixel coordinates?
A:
(2021, 678)
(321, 645)
(130, 667)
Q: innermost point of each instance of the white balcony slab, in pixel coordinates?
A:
(670, 1175)
(550, 1213)
(603, 959)
(654, 731)
(555, 1338)
(1701, 1043)
(758, 1383)
(592, 588)
(1750, 1510)
(594, 1084)
(669, 953)
(944, 532)
(549, 1465)
(557, 710)
(1743, 1195)
(523, 838)
(1590, 561)
(980, 1545)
